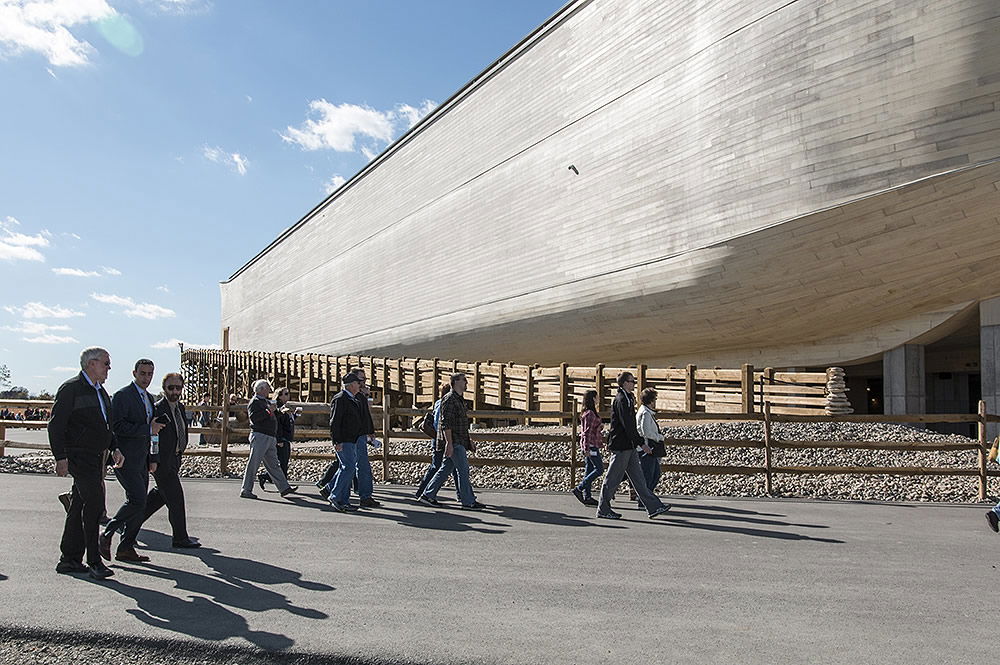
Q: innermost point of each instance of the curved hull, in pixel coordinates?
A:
(789, 185)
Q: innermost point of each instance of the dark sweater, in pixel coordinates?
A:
(77, 424)
(624, 434)
(261, 413)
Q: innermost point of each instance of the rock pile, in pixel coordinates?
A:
(836, 393)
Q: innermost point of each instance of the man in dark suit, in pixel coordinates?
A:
(173, 441)
(80, 437)
(133, 426)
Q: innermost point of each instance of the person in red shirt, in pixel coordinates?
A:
(591, 444)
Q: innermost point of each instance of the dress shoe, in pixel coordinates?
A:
(131, 555)
(591, 501)
(659, 511)
(187, 544)
(370, 502)
(609, 515)
(99, 571)
(247, 495)
(433, 503)
(475, 505)
(104, 545)
(260, 481)
(324, 492)
(291, 489)
(994, 522)
(65, 498)
(578, 493)
(64, 567)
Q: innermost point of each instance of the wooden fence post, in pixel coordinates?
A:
(529, 388)
(983, 450)
(690, 389)
(640, 380)
(3, 437)
(598, 385)
(224, 437)
(572, 449)
(436, 377)
(476, 386)
(768, 488)
(562, 391)
(386, 430)
(746, 388)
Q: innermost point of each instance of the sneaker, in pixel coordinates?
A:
(342, 507)
(291, 489)
(370, 502)
(659, 511)
(430, 501)
(324, 492)
(994, 521)
(591, 501)
(247, 495)
(609, 515)
(475, 506)
(65, 567)
(578, 493)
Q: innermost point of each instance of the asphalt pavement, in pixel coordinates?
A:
(536, 578)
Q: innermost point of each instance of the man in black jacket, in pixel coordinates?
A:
(134, 428)
(623, 442)
(80, 437)
(173, 441)
(263, 444)
(350, 428)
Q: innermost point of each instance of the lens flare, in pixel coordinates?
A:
(121, 34)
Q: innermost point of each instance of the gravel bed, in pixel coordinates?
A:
(854, 486)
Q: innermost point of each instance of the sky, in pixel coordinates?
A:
(150, 148)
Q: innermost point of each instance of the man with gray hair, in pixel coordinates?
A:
(453, 439)
(80, 437)
(263, 442)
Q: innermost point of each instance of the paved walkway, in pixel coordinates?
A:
(536, 579)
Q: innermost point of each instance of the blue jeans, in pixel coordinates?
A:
(650, 471)
(459, 461)
(593, 471)
(353, 459)
(437, 459)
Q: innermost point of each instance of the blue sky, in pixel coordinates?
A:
(149, 148)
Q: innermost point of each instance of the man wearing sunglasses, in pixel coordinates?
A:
(173, 441)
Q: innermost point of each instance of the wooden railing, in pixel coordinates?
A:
(507, 386)
(384, 414)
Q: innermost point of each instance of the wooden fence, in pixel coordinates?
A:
(384, 414)
(506, 386)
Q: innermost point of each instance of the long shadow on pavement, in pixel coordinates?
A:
(746, 531)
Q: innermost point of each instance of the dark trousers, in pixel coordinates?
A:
(85, 508)
(436, 461)
(284, 454)
(134, 479)
(168, 492)
(650, 472)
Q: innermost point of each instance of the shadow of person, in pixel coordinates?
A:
(227, 590)
(3, 577)
(670, 520)
(237, 568)
(742, 518)
(196, 617)
(550, 517)
(443, 519)
(676, 500)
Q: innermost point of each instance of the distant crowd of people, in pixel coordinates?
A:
(139, 436)
(27, 414)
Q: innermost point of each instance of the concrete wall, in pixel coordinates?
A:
(696, 128)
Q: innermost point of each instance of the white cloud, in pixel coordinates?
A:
(132, 309)
(219, 156)
(65, 369)
(334, 183)
(36, 310)
(352, 128)
(15, 246)
(43, 26)
(51, 339)
(249, 99)
(163, 287)
(173, 342)
(72, 235)
(35, 328)
(114, 272)
(178, 7)
(76, 272)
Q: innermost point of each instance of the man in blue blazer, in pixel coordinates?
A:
(133, 426)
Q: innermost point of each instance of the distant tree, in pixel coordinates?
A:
(4, 376)
(17, 392)
(45, 394)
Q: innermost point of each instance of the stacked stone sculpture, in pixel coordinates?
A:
(837, 403)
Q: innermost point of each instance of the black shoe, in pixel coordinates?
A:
(291, 489)
(659, 511)
(591, 501)
(99, 571)
(433, 503)
(189, 543)
(65, 567)
(991, 517)
(104, 545)
(247, 495)
(475, 506)
(578, 493)
(342, 507)
(609, 515)
(104, 520)
(324, 492)
(260, 481)
(370, 502)
(65, 498)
